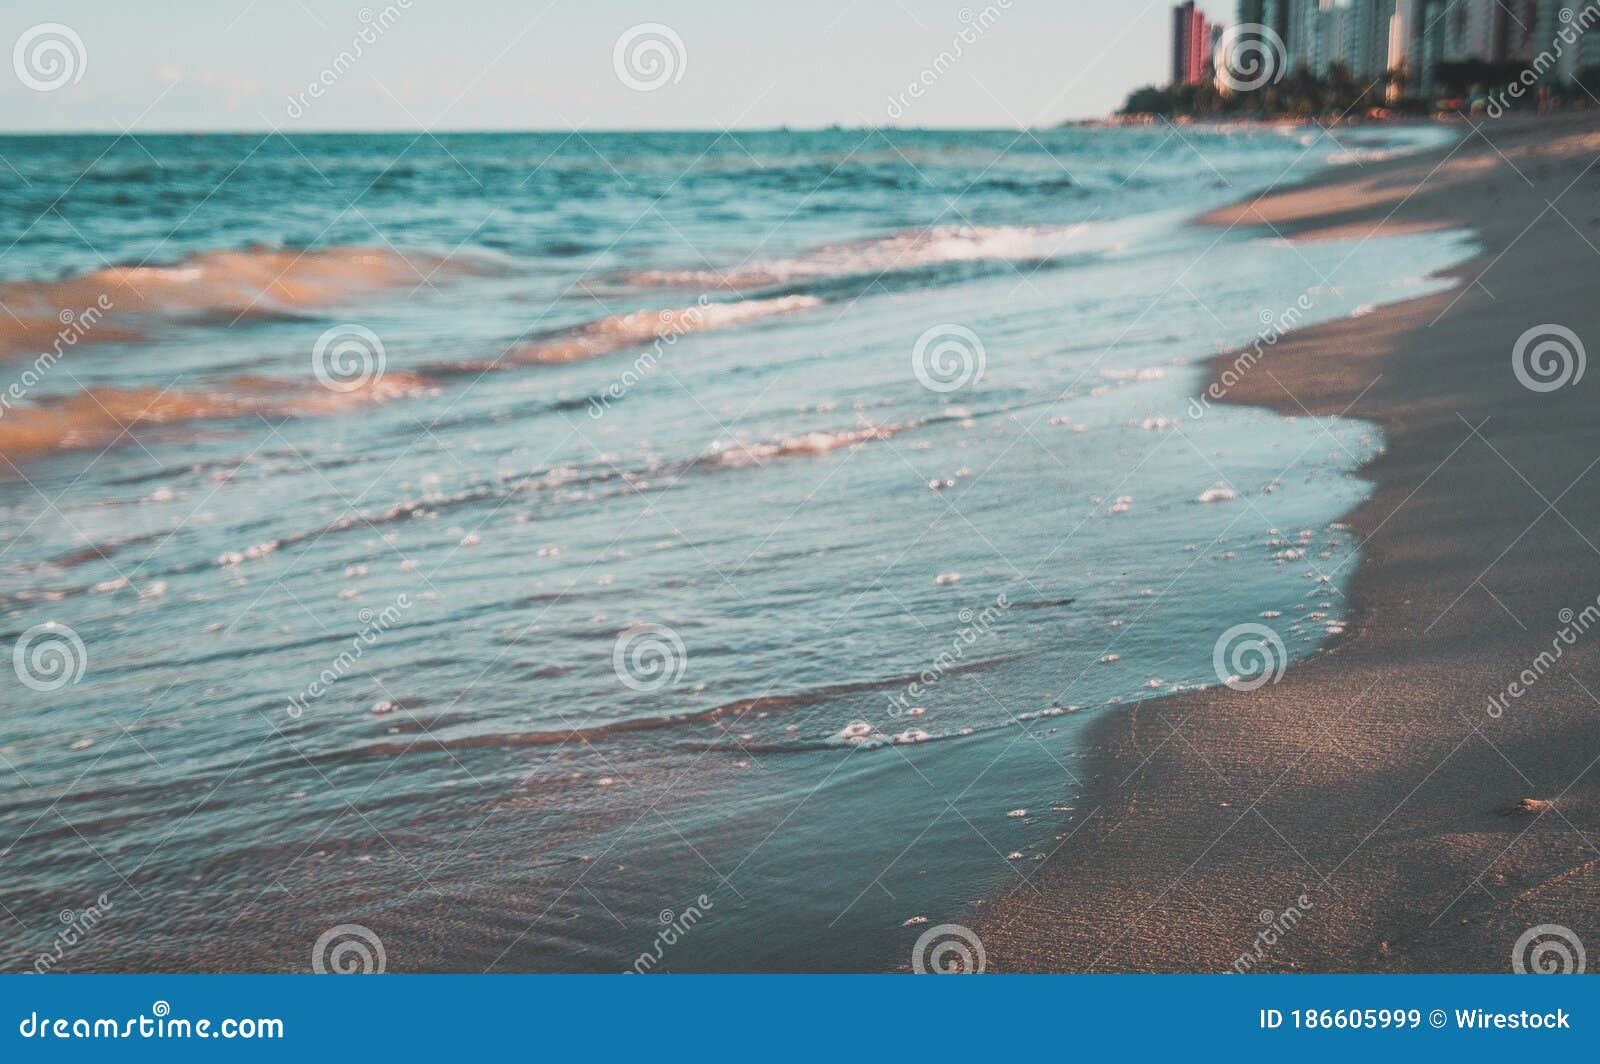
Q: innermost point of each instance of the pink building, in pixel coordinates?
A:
(1191, 44)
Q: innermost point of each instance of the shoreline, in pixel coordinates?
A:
(1369, 794)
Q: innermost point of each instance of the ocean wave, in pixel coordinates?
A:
(641, 327)
(99, 417)
(898, 252)
(225, 285)
(271, 278)
(726, 456)
(730, 711)
(737, 453)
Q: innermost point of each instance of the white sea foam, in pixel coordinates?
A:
(620, 331)
(899, 251)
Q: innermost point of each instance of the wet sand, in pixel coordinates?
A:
(1371, 789)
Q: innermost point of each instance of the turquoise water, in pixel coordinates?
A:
(528, 539)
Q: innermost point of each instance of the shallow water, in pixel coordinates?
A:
(602, 601)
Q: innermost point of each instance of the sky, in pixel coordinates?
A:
(572, 64)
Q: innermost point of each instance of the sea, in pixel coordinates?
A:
(653, 552)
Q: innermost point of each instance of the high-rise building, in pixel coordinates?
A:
(1366, 38)
(1418, 35)
(1519, 21)
(1182, 20)
(1193, 38)
(1547, 23)
(1446, 31)
(1565, 39)
(1428, 42)
(1494, 31)
(1400, 57)
(1456, 25)
(1499, 31)
(1278, 16)
(1589, 44)
(1296, 23)
(1199, 48)
(1322, 40)
(1322, 34)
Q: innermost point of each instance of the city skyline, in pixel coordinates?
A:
(196, 67)
(1374, 40)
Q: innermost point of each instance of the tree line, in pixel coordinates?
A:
(1302, 94)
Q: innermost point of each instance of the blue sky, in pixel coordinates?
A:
(533, 64)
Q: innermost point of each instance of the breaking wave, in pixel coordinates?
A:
(98, 417)
(891, 254)
(621, 331)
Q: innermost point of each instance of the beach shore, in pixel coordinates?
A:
(1368, 813)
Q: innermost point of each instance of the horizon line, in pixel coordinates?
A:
(401, 130)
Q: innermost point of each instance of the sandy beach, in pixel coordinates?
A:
(1372, 790)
